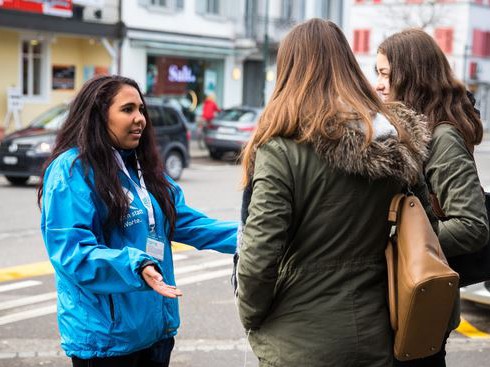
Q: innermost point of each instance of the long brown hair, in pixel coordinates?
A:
(421, 78)
(86, 129)
(318, 82)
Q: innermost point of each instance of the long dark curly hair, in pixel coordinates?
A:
(86, 129)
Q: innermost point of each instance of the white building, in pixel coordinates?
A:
(185, 49)
(460, 27)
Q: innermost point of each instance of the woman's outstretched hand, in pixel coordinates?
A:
(154, 279)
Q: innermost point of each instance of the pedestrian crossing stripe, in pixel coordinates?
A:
(470, 331)
(45, 267)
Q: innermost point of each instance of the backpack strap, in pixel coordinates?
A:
(395, 207)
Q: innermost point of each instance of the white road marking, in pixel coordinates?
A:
(25, 315)
(25, 301)
(178, 257)
(202, 277)
(206, 265)
(19, 285)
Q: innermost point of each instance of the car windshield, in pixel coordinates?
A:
(52, 118)
(237, 115)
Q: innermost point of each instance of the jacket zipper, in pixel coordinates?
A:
(111, 307)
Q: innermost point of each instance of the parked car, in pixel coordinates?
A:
(477, 293)
(230, 130)
(23, 152)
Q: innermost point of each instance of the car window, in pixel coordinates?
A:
(237, 115)
(155, 115)
(52, 119)
(170, 117)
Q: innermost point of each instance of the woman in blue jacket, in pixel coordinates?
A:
(108, 216)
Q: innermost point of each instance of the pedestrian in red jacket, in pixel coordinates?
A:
(209, 108)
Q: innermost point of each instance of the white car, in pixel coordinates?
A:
(477, 293)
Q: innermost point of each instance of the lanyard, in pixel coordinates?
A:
(142, 191)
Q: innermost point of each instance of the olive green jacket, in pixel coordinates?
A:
(452, 176)
(312, 270)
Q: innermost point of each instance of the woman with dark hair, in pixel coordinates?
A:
(413, 69)
(109, 215)
(319, 173)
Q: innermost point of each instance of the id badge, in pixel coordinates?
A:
(155, 248)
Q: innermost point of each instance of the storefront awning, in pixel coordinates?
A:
(161, 43)
(183, 49)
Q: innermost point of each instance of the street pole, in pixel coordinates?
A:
(265, 50)
(464, 65)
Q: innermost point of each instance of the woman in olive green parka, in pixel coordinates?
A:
(413, 69)
(322, 167)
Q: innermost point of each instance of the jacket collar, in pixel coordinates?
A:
(385, 156)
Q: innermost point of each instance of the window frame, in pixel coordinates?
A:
(44, 69)
(171, 6)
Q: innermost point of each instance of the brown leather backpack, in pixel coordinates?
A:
(422, 288)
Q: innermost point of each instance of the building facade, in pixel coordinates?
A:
(185, 49)
(49, 48)
(460, 27)
(180, 50)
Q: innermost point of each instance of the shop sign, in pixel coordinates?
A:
(183, 75)
(61, 8)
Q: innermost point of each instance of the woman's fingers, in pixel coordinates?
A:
(154, 279)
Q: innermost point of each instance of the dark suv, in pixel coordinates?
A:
(23, 152)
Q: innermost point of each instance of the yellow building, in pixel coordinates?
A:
(45, 59)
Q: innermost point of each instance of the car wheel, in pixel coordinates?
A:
(174, 164)
(17, 181)
(215, 154)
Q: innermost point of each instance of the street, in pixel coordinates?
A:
(210, 333)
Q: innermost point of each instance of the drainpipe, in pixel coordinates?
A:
(266, 50)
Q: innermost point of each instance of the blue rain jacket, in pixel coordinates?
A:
(105, 308)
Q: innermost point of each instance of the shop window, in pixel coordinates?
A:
(33, 68)
(444, 38)
(361, 40)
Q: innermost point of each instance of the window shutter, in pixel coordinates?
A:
(367, 34)
(486, 43)
(444, 38)
(179, 4)
(449, 40)
(356, 40)
(477, 42)
(473, 70)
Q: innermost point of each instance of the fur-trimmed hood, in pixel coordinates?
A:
(385, 156)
